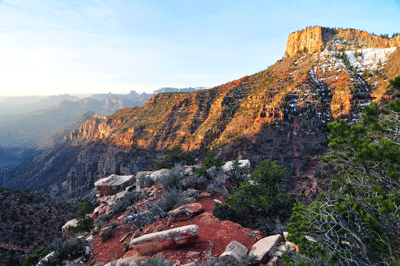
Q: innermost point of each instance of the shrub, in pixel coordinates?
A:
(173, 179)
(35, 256)
(130, 198)
(228, 261)
(85, 223)
(158, 261)
(172, 199)
(264, 193)
(208, 162)
(237, 174)
(175, 156)
(68, 249)
(224, 212)
(145, 181)
(193, 182)
(262, 199)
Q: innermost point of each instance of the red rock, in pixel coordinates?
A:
(156, 242)
(193, 209)
(205, 194)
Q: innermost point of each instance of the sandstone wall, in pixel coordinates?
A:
(316, 38)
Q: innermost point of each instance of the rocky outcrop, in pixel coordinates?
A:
(65, 229)
(155, 242)
(315, 39)
(113, 184)
(99, 161)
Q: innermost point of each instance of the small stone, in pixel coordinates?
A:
(192, 254)
(217, 201)
(205, 195)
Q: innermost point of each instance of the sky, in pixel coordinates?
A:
(57, 47)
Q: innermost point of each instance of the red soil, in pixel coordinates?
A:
(215, 235)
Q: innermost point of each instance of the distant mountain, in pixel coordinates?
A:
(12, 108)
(168, 89)
(129, 100)
(30, 128)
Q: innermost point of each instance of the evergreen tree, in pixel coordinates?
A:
(357, 220)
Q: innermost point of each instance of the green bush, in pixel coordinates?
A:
(85, 223)
(264, 194)
(237, 174)
(261, 197)
(68, 249)
(35, 256)
(175, 156)
(224, 212)
(208, 162)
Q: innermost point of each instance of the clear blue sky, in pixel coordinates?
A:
(57, 47)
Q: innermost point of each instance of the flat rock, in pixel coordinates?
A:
(264, 247)
(113, 184)
(235, 249)
(193, 209)
(156, 242)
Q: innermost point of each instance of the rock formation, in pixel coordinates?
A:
(316, 39)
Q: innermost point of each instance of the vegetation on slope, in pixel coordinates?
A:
(356, 219)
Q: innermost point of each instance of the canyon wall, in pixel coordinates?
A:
(315, 39)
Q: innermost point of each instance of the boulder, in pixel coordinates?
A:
(228, 166)
(192, 209)
(235, 249)
(263, 248)
(65, 232)
(156, 242)
(113, 184)
(45, 261)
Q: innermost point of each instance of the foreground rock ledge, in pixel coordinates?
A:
(156, 242)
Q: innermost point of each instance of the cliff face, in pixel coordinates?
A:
(315, 39)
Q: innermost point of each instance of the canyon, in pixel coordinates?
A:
(279, 114)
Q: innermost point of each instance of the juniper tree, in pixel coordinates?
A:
(357, 220)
